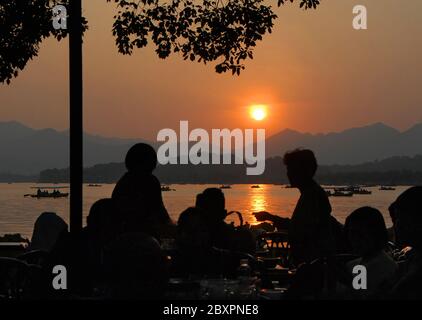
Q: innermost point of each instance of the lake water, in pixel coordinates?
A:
(18, 213)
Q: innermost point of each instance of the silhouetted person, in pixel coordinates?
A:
(81, 253)
(138, 192)
(310, 232)
(136, 267)
(103, 226)
(368, 238)
(195, 254)
(192, 232)
(223, 235)
(47, 229)
(102, 222)
(406, 214)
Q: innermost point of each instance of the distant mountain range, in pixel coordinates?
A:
(353, 146)
(27, 151)
(391, 171)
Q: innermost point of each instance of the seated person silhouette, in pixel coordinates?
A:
(406, 215)
(195, 255)
(310, 234)
(101, 229)
(135, 268)
(47, 230)
(368, 238)
(82, 252)
(138, 193)
(223, 235)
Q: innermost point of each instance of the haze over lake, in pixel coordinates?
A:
(18, 213)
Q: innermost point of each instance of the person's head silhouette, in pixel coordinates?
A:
(191, 229)
(141, 158)
(47, 229)
(301, 166)
(406, 214)
(213, 203)
(366, 230)
(102, 219)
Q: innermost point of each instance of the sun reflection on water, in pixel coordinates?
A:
(257, 201)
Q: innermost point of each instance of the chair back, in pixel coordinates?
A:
(14, 278)
(35, 257)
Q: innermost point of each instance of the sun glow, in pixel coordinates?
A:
(258, 112)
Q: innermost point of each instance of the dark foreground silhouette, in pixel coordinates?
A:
(130, 248)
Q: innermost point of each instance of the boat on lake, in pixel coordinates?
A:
(387, 188)
(42, 192)
(361, 191)
(45, 194)
(225, 186)
(340, 193)
(167, 188)
(256, 186)
(352, 189)
(356, 190)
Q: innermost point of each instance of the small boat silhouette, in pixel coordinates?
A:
(46, 194)
(339, 193)
(386, 188)
(166, 188)
(42, 192)
(362, 191)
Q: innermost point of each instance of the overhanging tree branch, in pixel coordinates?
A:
(203, 31)
(23, 26)
(224, 32)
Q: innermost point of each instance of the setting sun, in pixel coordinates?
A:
(258, 112)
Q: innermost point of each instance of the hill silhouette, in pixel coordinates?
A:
(27, 151)
(395, 170)
(352, 146)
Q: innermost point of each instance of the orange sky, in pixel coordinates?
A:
(315, 73)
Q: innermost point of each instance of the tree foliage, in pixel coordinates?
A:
(205, 30)
(225, 31)
(24, 24)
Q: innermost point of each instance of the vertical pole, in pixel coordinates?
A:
(76, 112)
